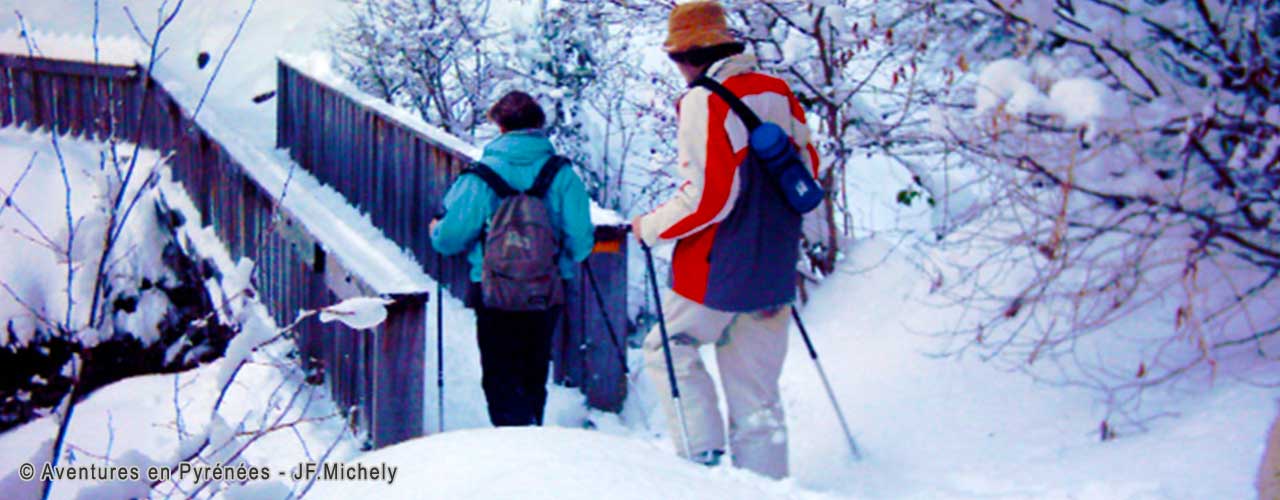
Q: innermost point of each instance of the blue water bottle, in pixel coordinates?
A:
(773, 148)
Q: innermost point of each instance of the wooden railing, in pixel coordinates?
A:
(378, 374)
(397, 169)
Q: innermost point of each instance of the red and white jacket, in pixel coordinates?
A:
(712, 143)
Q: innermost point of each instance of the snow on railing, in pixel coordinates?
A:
(317, 67)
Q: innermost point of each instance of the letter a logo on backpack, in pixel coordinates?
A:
(515, 240)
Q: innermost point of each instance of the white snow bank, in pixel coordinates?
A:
(113, 50)
(959, 428)
(154, 418)
(604, 217)
(550, 463)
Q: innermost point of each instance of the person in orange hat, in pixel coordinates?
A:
(736, 247)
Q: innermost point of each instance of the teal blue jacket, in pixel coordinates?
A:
(516, 156)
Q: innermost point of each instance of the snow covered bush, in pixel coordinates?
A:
(606, 113)
(819, 48)
(92, 270)
(423, 55)
(1127, 157)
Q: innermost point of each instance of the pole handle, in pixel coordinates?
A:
(804, 334)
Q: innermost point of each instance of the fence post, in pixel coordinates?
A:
(398, 368)
(605, 381)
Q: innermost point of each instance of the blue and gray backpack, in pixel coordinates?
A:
(521, 244)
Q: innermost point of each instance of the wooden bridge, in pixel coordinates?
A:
(387, 164)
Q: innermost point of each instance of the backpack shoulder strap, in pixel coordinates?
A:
(546, 176)
(740, 108)
(490, 177)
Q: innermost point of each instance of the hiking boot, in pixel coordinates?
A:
(709, 458)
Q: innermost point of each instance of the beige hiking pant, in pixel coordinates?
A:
(750, 348)
(1269, 469)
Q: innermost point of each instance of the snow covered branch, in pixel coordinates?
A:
(1130, 153)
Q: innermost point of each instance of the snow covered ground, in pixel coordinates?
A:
(928, 428)
(136, 421)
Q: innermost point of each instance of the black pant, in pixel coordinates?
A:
(515, 354)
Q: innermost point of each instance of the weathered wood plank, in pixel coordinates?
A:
(102, 108)
(82, 107)
(42, 92)
(64, 91)
(282, 106)
(23, 96)
(70, 68)
(400, 358)
(6, 93)
(119, 97)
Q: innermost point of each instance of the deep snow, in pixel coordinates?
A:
(929, 428)
(549, 463)
(36, 221)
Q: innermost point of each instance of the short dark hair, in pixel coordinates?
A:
(704, 56)
(517, 111)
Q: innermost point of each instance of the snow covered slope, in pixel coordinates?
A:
(947, 428)
(548, 464)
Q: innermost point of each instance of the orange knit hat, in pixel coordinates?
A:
(696, 25)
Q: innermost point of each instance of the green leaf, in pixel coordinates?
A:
(908, 196)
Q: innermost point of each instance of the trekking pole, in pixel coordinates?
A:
(439, 343)
(666, 351)
(813, 354)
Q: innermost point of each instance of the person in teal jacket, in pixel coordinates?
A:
(515, 346)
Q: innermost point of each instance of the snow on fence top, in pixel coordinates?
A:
(344, 232)
(79, 48)
(347, 234)
(317, 67)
